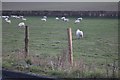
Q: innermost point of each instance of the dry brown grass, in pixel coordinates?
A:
(60, 62)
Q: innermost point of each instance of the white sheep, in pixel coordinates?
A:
(44, 19)
(5, 16)
(17, 17)
(79, 34)
(21, 16)
(77, 21)
(62, 18)
(13, 16)
(57, 18)
(7, 20)
(21, 24)
(80, 18)
(66, 20)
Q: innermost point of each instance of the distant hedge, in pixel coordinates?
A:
(64, 13)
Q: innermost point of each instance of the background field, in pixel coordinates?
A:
(95, 55)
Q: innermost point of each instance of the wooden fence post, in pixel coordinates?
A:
(70, 45)
(26, 40)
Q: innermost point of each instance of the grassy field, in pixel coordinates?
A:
(94, 55)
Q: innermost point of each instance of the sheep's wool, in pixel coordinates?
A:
(79, 34)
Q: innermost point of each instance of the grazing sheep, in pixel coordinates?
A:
(13, 16)
(5, 16)
(57, 18)
(80, 18)
(63, 18)
(21, 16)
(77, 21)
(44, 19)
(8, 20)
(79, 34)
(22, 24)
(66, 20)
(17, 17)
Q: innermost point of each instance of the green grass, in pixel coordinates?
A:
(100, 42)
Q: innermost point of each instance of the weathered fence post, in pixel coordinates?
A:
(70, 45)
(26, 40)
